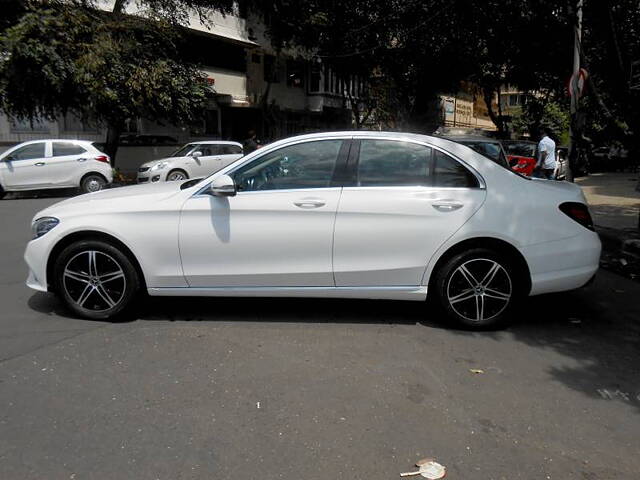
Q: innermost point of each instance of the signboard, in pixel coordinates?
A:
(577, 83)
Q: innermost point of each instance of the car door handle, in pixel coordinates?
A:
(82, 160)
(309, 203)
(39, 164)
(446, 205)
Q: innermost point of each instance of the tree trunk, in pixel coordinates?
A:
(487, 94)
(113, 140)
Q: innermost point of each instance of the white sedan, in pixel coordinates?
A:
(194, 160)
(45, 164)
(348, 214)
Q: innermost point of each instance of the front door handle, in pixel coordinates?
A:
(82, 159)
(309, 203)
(39, 164)
(446, 205)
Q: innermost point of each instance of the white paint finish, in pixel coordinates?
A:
(262, 239)
(49, 171)
(259, 239)
(194, 167)
(386, 235)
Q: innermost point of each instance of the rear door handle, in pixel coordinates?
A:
(82, 159)
(446, 205)
(39, 164)
(309, 203)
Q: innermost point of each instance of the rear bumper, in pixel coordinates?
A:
(564, 264)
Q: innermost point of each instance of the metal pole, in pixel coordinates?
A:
(574, 132)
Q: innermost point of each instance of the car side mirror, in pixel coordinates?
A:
(9, 158)
(223, 186)
(196, 154)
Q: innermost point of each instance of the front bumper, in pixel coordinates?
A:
(149, 177)
(36, 255)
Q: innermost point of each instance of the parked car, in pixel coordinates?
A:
(370, 215)
(46, 164)
(521, 155)
(194, 160)
(562, 163)
(489, 147)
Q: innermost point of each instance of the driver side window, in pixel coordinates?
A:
(300, 166)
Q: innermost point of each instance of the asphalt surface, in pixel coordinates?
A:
(313, 389)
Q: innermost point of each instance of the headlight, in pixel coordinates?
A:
(43, 225)
(160, 166)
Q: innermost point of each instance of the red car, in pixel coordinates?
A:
(521, 155)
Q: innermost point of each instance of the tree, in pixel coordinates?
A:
(70, 58)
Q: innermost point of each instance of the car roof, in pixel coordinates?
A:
(215, 142)
(470, 138)
(519, 141)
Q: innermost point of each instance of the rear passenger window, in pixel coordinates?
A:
(393, 163)
(65, 148)
(231, 150)
(450, 173)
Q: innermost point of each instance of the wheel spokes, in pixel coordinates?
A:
(91, 272)
(479, 300)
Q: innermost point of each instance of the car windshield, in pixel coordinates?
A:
(183, 151)
(521, 149)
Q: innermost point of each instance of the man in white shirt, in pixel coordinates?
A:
(546, 156)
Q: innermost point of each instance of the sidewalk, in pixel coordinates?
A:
(615, 205)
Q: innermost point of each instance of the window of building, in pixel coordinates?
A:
(392, 163)
(514, 100)
(61, 149)
(301, 166)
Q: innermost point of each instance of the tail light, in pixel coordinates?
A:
(578, 212)
(103, 158)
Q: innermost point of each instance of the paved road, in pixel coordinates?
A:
(275, 389)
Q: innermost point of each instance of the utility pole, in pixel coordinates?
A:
(575, 128)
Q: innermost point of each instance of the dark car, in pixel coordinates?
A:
(489, 147)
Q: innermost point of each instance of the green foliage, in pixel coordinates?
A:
(539, 112)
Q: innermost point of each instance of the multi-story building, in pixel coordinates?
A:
(254, 88)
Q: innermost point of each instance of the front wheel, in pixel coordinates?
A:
(95, 279)
(478, 289)
(177, 175)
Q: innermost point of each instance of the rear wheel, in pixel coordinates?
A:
(92, 183)
(177, 175)
(95, 279)
(478, 289)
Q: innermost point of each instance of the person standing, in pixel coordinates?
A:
(546, 165)
(251, 143)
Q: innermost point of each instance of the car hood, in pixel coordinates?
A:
(115, 199)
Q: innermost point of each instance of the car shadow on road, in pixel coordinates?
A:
(601, 342)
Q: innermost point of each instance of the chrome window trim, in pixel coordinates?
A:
(482, 184)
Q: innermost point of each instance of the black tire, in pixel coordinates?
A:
(93, 182)
(2, 193)
(473, 298)
(105, 292)
(176, 172)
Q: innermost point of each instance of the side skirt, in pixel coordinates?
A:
(416, 293)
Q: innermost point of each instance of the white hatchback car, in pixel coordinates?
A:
(45, 164)
(194, 160)
(342, 214)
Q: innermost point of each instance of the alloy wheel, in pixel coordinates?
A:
(176, 176)
(94, 280)
(479, 289)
